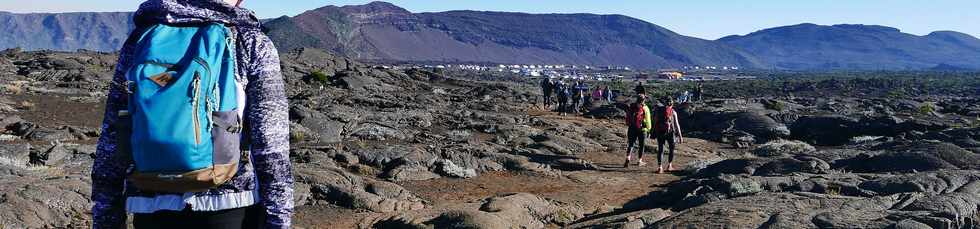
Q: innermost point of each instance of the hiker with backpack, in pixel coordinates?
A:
(583, 93)
(608, 93)
(577, 97)
(546, 88)
(597, 94)
(666, 129)
(638, 122)
(180, 146)
(640, 89)
(563, 97)
(698, 92)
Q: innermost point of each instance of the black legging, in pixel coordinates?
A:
(669, 139)
(576, 104)
(635, 137)
(562, 102)
(238, 218)
(547, 98)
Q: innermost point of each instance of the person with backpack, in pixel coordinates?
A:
(577, 97)
(562, 91)
(699, 92)
(196, 129)
(638, 123)
(640, 89)
(609, 94)
(583, 92)
(546, 88)
(597, 93)
(667, 129)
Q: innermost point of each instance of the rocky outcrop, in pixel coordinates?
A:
(711, 125)
(516, 210)
(916, 156)
(367, 139)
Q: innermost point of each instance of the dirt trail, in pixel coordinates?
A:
(605, 189)
(58, 110)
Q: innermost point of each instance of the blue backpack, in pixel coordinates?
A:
(183, 126)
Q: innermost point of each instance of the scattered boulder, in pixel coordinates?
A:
(51, 135)
(450, 169)
(54, 155)
(327, 130)
(514, 210)
(825, 130)
(15, 151)
(781, 148)
(933, 182)
(346, 189)
(786, 210)
(915, 156)
(606, 111)
(299, 133)
(635, 219)
(411, 172)
(761, 127)
(45, 202)
(376, 132)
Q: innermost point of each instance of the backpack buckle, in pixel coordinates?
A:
(234, 129)
(170, 177)
(127, 86)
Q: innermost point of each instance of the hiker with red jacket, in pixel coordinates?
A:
(667, 129)
(638, 121)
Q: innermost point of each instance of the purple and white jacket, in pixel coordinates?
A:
(267, 181)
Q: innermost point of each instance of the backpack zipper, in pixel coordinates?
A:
(165, 65)
(196, 103)
(204, 64)
(207, 99)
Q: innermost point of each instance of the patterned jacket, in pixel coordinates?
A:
(266, 181)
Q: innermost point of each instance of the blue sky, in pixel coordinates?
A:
(698, 18)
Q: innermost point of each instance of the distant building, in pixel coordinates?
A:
(670, 74)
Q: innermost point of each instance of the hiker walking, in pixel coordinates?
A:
(546, 88)
(684, 97)
(609, 94)
(667, 129)
(597, 94)
(563, 97)
(204, 159)
(638, 123)
(640, 89)
(577, 97)
(698, 92)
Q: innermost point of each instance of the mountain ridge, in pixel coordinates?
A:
(501, 37)
(855, 46)
(104, 31)
(381, 31)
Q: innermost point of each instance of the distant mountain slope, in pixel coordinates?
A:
(810, 46)
(65, 31)
(382, 31)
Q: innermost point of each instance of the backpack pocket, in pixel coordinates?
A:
(124, 131)
(226, 135)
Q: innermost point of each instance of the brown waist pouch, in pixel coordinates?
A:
(193, 181)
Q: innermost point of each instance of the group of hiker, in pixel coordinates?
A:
(661, 124)
(571, 97)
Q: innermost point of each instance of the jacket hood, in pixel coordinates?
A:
(193, 11)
